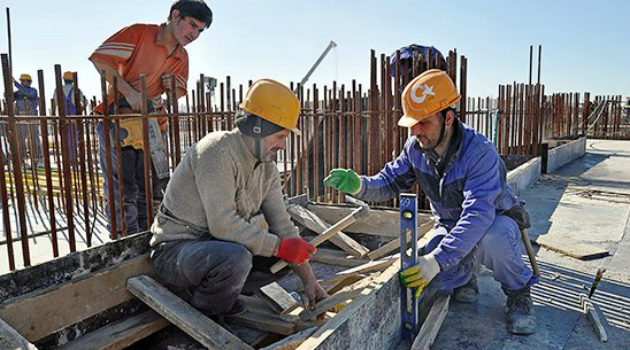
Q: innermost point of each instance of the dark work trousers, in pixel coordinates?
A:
(134, 195)
(211, 273)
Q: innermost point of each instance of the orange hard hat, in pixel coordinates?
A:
(426, 95)
(68, 75)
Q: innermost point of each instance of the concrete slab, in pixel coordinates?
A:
(559, 156)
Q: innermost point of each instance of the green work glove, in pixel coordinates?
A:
(419, 275)
(344, 180)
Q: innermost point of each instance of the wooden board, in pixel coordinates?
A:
(277, 297)
(119, 335)
(337, 257)
(381, 222)
(10, 339)
(432, 324)
(291, 342)
(578, 250)
(395, 244)
(263, 323)
(39, 314)
(312, 222)
(184, 316)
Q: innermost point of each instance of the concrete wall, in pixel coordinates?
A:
(561, 155)
(525, 175)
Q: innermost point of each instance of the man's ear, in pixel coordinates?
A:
(450, 118)
(174, 15)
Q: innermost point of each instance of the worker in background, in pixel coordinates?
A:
(223, 217)
(155, 51)
(26, 104)
(70, 109)
(464, 178)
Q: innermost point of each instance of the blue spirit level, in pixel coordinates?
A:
(408, 258)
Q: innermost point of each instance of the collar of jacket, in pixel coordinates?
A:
(243, 151)
(452, 153)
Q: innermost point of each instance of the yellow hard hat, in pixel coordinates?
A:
(26, 77)
(274, 102)
(426, 95)
(68, 75)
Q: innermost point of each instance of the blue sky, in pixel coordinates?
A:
(586, 44)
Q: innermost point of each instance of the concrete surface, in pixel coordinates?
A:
(560, 205)
(523, 177)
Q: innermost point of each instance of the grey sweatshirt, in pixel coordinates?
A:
(220, 189)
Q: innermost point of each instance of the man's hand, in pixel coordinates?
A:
(135, 100)
(295, 250)
(344, 180)
(314, 293)
(419, 275)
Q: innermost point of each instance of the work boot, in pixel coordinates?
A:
(468, 292)
(237, 309)
(520, 312)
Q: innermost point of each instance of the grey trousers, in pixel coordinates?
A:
(210, 274)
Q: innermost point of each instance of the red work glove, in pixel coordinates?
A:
(295, 250)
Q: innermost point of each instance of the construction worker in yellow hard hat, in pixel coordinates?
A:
(209, 236)
(464, 178)
(26, 102)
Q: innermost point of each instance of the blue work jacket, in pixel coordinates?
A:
(26, 99)
(465, 199)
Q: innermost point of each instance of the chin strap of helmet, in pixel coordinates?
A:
(257, 139)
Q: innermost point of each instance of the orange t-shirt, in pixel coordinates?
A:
(134, 50)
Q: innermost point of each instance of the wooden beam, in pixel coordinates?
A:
(10, 339)
(293, 341)
(277, 298)
(347, 293)
(263, 323)
(184, 316)
(51, 310)
(344, 282)
(119, 335)
(395, 244)
(595, 316)
(337, 257)
(431, 326)
(381, 222)
(312, 222)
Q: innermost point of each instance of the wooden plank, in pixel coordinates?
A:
(577, 250)
(278, 298)
(119, 335)
(263, 323)
(10, 339)
(293, 341)
(337, 257)
(395, 244)
(595, 316)
(347, 329)
(432, 324)
(312, 222)
(51, 310)
(381, 222)
(184, 316)
(342, 283)
(349, 292)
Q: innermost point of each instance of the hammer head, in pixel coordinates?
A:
(363, 211)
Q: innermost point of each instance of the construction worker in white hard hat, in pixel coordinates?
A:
(26, 100)
(462, 174)
(223, 221)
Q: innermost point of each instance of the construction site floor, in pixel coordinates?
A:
(583, 206)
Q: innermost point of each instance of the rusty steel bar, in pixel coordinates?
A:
(65, 148)
(4, 197)
(175, 121)
(81, 148)
(47, 170)
(146, 151)
(119, 169)
(463, 81)
(16, 155)
(108, 161)
(315, 142)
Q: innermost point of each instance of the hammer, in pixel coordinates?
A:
(361, 212)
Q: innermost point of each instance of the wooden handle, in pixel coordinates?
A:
(326, 235)
(530, 252)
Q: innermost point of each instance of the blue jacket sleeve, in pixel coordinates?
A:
(397, 176)
(482, 187)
